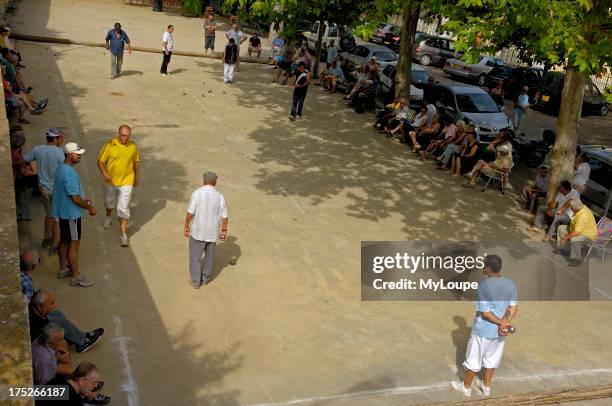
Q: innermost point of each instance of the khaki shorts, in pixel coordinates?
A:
(46, 199)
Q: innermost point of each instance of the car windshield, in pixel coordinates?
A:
(385, 56)
(420, 76)
(476, 103)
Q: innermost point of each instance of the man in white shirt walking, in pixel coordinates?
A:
(206, 208)
(167, 48)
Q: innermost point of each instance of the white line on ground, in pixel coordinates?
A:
(403, 390)
(130, 386)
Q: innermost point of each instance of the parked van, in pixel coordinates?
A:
(549, 95)
(341, 35)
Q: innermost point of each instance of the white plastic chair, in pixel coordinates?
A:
(496, 176)
(604, 236)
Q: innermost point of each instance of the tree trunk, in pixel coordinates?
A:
(564, 151)
(315, 67)
(403, 75)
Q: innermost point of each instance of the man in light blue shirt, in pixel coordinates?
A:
(44, 160)
(332, 53)
(116, 39)
(333, 77)
(68, 203)
(521, 107)
(495, 308)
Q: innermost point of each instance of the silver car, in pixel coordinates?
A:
(476, 72)
(473, 105)
(361, 54)
(599, 184)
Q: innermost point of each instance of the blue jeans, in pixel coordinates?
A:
(298, 102)
(72, 333)
(517, 116)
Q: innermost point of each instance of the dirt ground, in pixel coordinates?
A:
(285, 325)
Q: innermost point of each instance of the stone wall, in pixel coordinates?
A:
(15, 351)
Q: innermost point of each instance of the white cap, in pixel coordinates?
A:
(73, 148)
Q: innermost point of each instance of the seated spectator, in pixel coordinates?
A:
(505, 137)
(502, 163)
(581, 230)
(384, 116)
(255, 45)
(28, 261)
(421, 118)
(12, 101)
(302, 55)
(536, 188)
(557, 212)
(451, 145)
(82, 384)
(5, 42)
(15, 88)
(425, 134)
(582, 174)
(22, 176)
(42, 312)
(449, 131)
(50, 355)
(401, 115)
(367, 93)
(277, 46)
(468, 156)
(373, 64)
(333, 77)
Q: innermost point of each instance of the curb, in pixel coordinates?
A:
(67, 41)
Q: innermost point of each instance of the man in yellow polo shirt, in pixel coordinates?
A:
(582, 229)
(118, 162)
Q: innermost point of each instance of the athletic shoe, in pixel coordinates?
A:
(534, 229)
(486, 390)
(107, 222)
(124, 240)
(43, 103)
(164, 74)
(292, 118)
(194, 284)
(89, 341)
(459, 386)
(94, 333)
(100, 399)
(64, 273)
(81, 282)
(46, 243)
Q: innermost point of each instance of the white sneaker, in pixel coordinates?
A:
(458, 386)
(164, 74)
(107, 222)
(124, 240)
(486, 390)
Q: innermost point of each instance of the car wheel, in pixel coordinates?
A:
(481, 79)
(603, 111)
(425, 60)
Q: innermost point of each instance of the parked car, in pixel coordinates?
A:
(341, 35)
(420, 79)
(549, 95)
(473, 105)
(474, 72)
(514, 78)
(302, 28)
(381, 33)
(600, 181)
(361, 54)
(392, 40)
(432, 50)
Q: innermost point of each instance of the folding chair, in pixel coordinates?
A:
(604, 236)
(496, 176)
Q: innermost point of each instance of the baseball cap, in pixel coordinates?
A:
(55, 132)
(74, 148)
(210, 176)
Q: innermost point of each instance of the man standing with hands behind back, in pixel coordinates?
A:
(119, 163)
(167, 48)
(206, 208)
(116, 39)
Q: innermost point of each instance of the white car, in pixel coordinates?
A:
(420, 76)
(361, 54)
(477, 71)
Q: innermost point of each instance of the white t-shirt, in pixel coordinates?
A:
(208, 207)
(561, 200)
(420, 120)
(237, 35)
(583, 172)
(167, 37)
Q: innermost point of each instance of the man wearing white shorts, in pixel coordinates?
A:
(119, 162)
(495, 308)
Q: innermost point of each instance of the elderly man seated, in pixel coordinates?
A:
(581, 230)
(557, 212)
(255, 45)
(424, 135)
(333, 77)
(536, 188)
(502, 163)
(42, 312)
(50, 354)
(82, 384)
(402, 116)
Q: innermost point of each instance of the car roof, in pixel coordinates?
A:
(464, 89)
(425, 35)
(376, 47)
(600, 152)
(414, 66)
